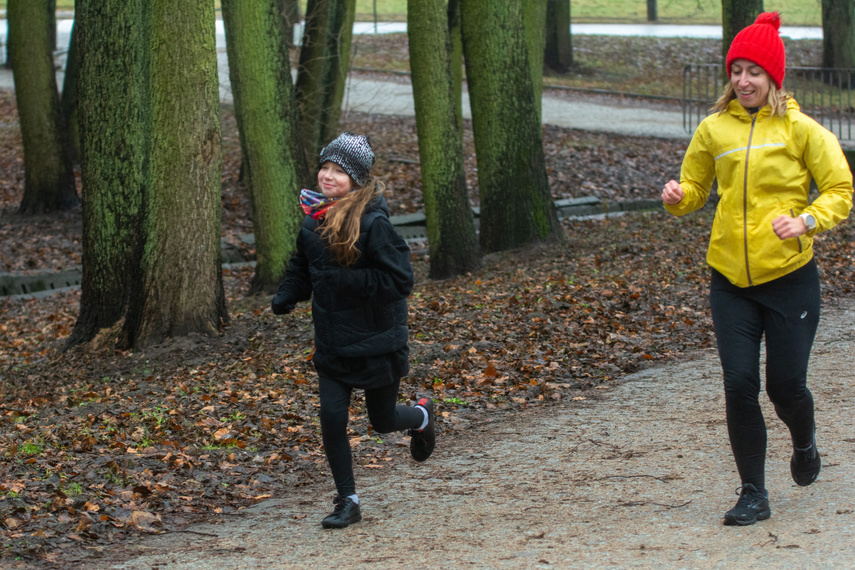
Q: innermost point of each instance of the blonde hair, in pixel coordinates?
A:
(777, 99)
(341, 227)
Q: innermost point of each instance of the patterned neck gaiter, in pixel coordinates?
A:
(315, 204)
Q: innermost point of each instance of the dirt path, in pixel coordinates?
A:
(638, 478)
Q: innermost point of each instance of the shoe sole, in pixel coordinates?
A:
(761, 516)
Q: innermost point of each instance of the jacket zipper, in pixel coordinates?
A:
(745, 201)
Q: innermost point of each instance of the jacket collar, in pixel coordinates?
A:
(736, 109)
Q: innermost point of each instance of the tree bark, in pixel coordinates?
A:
(736, 15)
(838, 33)
(450, 225)
(48, 176)
(516, 203)
(112, 38)
(181, 290)
(324, 61)
(70, 98)
(268, 122)
(534, 18)
(51, 23)
(651, 11)
(558, 54)
(456, 62)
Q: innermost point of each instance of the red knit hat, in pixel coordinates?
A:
(761, 43)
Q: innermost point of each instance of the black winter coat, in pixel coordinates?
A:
(359, 313)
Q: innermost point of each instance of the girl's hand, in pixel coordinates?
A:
(786, 227)
(672, 193)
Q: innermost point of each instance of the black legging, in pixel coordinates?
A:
(787, 311)
(384, 414)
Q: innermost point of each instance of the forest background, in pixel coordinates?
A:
(102, 444)
(795, 12)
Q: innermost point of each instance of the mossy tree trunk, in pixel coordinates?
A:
(181, 289)
(558, 54)
(48, 176)
(736, 15)
(838, 33)
(516, 204)
(268, 122)
(450, 225)
(113, 44)
(324, 62)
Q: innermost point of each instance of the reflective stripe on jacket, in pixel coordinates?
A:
(764, 165)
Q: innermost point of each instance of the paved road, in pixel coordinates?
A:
(380, 97)
(615, 115)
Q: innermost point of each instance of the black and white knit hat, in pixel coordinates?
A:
(353, 153)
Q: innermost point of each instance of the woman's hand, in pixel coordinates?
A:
(672, 193)
(786, 227)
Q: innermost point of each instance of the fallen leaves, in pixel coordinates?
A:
(99, 444)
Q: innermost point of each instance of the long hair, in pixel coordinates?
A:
(777, 99)
(341, 228)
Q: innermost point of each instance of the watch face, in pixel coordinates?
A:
(810, 221)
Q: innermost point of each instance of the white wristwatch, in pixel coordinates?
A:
(809, 220)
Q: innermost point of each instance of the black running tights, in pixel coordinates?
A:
(384, 413)
(787, 311)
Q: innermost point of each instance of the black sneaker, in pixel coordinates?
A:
(345, 513)
(423, 441)
(805, 466)
(752, 506)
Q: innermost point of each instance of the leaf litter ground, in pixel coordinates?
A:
(100, 445)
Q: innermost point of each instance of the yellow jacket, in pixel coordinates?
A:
(764, 166)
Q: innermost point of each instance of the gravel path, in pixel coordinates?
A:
(633, 477)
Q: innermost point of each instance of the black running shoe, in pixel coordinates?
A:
(423, 441)
(752, 506)
(805, 466)
(345, 513)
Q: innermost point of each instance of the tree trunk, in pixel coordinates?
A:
(516, 204)
(450, 225)
(181, 290)
(48, 175)
(736, 15)
(651, 11)
(324, 61)
(267, 118)
(558, 54)
(51, 24)
(838, 33)
(70, 98)
(456, 62)
(534, 18)
(112, 39)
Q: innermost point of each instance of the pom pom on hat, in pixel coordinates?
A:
(353, 153)
(761, 43)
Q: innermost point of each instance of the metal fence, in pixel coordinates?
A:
(824, 94)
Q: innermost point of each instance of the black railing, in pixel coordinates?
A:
(824, 94)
